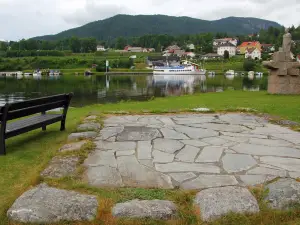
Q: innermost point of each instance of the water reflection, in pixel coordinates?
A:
(102, 89)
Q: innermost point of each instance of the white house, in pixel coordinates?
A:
(190, 46)
(100, 48)
(252, 53)
(134, 49)
(226, 47)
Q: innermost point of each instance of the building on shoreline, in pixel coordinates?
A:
(227, 47)
(241, 49)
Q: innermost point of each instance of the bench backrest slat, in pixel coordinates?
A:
(38, 101)
(34, 109)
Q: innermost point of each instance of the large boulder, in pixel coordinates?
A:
(89, 127)
(155, 209)
(283, 193)
(217, 202)
(61, 167)
(44, 204)
(83, 135)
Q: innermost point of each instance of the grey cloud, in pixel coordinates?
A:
(27, 18)
(93, 11)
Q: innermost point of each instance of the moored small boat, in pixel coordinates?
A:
(251, 75)
(229, 74)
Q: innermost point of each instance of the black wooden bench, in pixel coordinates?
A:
(32, 108)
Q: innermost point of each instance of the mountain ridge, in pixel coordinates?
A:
(139, 25)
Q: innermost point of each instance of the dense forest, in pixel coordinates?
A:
(202, 42)
(139, 25)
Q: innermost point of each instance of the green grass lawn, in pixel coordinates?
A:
(28, 154)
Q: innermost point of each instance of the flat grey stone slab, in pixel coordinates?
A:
(269, 142)
(167, 145)
(222, 127)
(235, 139)
(101, 158)
(292, 137)
(283, 193)
(262, 150)
(125, 153)
(115, 146)
(267, 171)
(208, 181)
(138, 134)
(147, 163)
(44, 204)
(61, 167)
(245, 135)
(180, 177)
(210, 154)
(186, 167)
(108, 132)
(289, 164)
(251, 180)
(76, 146)
(237, 162)
(103, 176)
(295, 175)
(216, 141)
(187, 154)
(154, 209)
(195, 143)
(172, 134)
(162, 157)
(136, 175)
(216, 202)
(167, 121)
(196, 133)
(82, 135)
(144, 149)
(89, 127)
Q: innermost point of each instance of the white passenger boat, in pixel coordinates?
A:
(188, 68)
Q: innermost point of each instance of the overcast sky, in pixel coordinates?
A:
(29, 18)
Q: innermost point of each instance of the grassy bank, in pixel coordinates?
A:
(28, 154)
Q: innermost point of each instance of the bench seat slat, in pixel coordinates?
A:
(34, 109)
(39, 101)
(30, 123)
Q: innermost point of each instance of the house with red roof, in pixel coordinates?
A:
(248, 44)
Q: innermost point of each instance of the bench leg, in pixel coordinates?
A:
(63, 125)
(2, 147)
(44, 127)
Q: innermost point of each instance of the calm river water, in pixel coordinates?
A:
(114, 88)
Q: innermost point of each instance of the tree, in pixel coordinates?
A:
(226, 54)
(75, 44)
(158, 47)
(120, 43)
(249, 65)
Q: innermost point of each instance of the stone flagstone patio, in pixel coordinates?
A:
(191, 151)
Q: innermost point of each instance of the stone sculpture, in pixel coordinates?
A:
(284, 75)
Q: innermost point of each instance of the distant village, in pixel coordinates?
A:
(249, 49)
